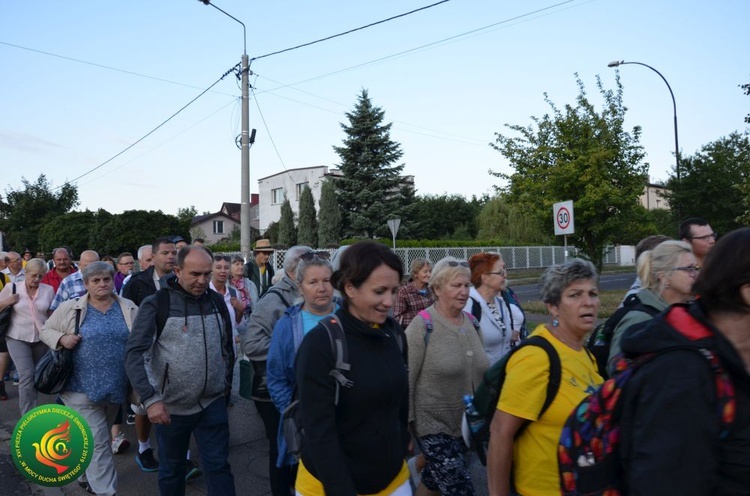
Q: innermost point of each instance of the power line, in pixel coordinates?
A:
(273, 143)
(350, 31)
(154, 129)
(101, 66)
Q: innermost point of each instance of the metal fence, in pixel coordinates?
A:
(515, 257)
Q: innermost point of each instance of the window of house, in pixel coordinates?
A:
(300, 188)
(218, 227)
(277, 196)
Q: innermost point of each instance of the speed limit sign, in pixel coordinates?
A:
(563, 217)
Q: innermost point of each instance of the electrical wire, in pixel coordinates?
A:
(153, 130)
(270, 137)
(350, 31)
(101, 66)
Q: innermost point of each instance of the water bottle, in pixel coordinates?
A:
(473, 418)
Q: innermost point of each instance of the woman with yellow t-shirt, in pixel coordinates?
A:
(571, 295)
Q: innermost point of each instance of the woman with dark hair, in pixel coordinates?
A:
(414, 296)
(356, 437)
(527, 458)
(688, 421)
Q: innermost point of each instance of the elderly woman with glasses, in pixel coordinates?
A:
(524, 435)
(31, 303)
(490, 306)
(446, 362)
(313, 278)
(98, 385)
(667, 274)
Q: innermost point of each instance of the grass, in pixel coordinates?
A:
(610, 300)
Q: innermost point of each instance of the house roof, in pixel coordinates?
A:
(202, 218)
(286, 171)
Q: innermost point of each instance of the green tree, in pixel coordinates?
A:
(72, 229)
(441, 216)
(133, 228)
(510, 222)
(329, 216)
(185, 215)
(714, 183)
(746, 88)
(287, 231)
(271, 233)
(371, 184)
(307, 229)
(25, 211)
(582, 155)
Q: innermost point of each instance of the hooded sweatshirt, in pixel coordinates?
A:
(671, 431)
(190, 364)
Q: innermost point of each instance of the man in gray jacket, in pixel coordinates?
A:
(269, 309)
(179, 360)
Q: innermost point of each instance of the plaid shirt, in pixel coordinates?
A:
(409, 302)
(70, 287)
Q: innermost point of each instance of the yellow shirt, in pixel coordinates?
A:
(535, 467)
(307, 485)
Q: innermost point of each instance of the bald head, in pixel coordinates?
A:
(87, 257)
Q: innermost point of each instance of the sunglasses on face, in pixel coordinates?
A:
(706, 237)
(222, 258)
(320, 255)
(457, 264)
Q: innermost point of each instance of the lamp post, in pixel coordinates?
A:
(244, 141)
(674, 107)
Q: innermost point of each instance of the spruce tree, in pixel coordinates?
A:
(329, 216)
(370, 189)
(287, 231)
(307, 228)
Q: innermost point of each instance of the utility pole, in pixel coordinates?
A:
(244, 141)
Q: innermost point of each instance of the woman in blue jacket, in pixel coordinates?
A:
(313, 276)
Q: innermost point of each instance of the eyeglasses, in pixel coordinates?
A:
(692, 270)
(321, 255)
(457, 264)
(220, 258)
(125, 263)
(500, 272)
(706, 237)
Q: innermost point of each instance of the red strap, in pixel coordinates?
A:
(684, 323)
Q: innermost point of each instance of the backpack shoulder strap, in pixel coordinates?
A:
(340, 353)
(476, 308)
(427, 325)
(555, 369)
(277, 293)
(162, 310)
(474, 322)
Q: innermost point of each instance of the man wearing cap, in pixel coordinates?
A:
(257, 269)
(27, 255)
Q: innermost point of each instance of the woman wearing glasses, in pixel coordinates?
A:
(219, 283)
(487, 304)
(667, 273)
(358, 444)
(313, 277)
(446, 362)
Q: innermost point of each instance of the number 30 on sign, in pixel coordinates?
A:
(563, 217)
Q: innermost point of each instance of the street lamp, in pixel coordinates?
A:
(244, 141)
(674, 106)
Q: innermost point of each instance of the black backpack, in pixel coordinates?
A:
(487, 394)
(291, 422)
(600, 340)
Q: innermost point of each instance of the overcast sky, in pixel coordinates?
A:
(83, 80)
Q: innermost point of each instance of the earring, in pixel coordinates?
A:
(555, 322)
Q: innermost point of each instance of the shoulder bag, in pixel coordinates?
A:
(5, 316)
(55, 368)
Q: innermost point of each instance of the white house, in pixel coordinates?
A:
(273, 190)
(652, 197)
